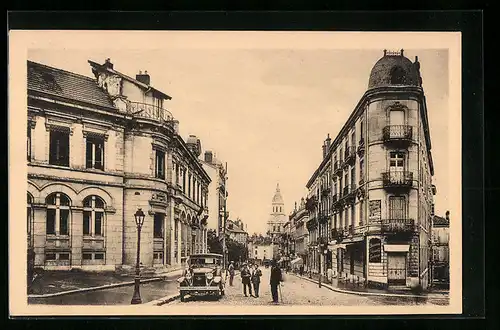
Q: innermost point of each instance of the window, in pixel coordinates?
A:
(58, 210)
(375, 250)
(59, 147)
(95, 152)
(99, 256)
(361, 212)
(361, 169)
(353, 138)
(176, 174)
(158, 225)
(397, 117)
(361, 130)
(63, 256)
(176, 230)
(160, 164)
(93, 215)
(189, 186)
(353, 216)
(353, 177)
(396, 162)
(397, 207)
(50, 256)
(28, 143)
(29, 214)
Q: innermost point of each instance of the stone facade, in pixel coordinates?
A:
(277, 218)
(99, 149)
(371, 198)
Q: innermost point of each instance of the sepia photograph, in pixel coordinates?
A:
(219, 173)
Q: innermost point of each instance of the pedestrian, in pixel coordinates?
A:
(275, 279)
(230, 270)
(301, 270)
(245, 280)
(256, 274)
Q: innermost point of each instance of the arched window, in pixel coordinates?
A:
(58, 213)
(398, 76)
(29, 216)
(93, 216)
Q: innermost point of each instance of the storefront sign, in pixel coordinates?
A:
(375, 250)
(374, 210)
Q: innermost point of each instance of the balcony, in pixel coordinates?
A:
(149, 111)
(326, 190)
(337, 169)
(348, 193)
(397, 133)
(398, 225)
(337, 234)
(361, 147)
(349, 155)
(397, 179)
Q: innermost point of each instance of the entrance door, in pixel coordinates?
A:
(351, 257)
(396, 268)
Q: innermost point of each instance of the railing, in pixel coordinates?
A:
(337, 168)
(398, 225)
(397, 179)
(334, 198)
(397, 132)
(149, 111)
(337, 234)
(361, 147)
(326, 190)
(350, 154)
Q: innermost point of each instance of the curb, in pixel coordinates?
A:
(395, 295)
(163, 301)
(102, 287)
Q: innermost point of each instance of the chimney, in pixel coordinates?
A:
(324, 150)
(385, 52)
(108, 64)
(209, 157)
(328, 142)
(448, 215)
(143, 77)
(402, 51)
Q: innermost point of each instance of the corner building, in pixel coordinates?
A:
(97, 150)
(382, 196)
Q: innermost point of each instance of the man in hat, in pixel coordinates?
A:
(230, 270)
(245, 280)
(275, 279)
(256, 274)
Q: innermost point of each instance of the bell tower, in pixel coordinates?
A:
(277, 217)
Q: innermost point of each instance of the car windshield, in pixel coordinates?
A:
(204, 261)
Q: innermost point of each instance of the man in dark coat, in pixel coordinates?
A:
(230, 270)
(245, 279)
(256, 274)
(275, 279)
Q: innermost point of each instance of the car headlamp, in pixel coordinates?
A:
(189, 275)
(210, 276)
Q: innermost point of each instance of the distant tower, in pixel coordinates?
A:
(278, 218)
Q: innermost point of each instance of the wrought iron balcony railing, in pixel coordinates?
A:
(350, 155)
(361, 147)
(149, 111)
(398, 225)
(337, 168)
(397, 132)
(397, 179)
(337, 234)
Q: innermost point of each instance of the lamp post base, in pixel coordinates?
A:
(136, 298)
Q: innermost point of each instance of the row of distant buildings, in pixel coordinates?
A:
(99, 149)
(369, 212)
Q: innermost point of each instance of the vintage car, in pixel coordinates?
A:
(202, 276)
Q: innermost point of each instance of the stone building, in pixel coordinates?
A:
(260, 248)
(298, 231)
(277, 218)
(441, 250)
(217, 191)
(381, 195)
(235, 230)
(97, 150)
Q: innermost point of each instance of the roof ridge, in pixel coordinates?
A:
(60, 70)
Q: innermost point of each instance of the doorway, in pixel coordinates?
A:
(396, 268)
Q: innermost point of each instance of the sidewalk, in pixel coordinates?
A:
(360, 289)
(52, 283)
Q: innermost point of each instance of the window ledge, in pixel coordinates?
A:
(55, 237)
(93, 238)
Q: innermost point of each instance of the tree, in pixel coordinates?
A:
(213, 242)
(236, 251)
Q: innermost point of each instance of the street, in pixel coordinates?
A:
(296, 291)
(115, 296)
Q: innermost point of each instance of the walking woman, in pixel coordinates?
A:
(275, 279)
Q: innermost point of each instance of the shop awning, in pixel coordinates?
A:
(396, 248)
(297, 261)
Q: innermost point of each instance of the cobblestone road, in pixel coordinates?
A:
(295, 291)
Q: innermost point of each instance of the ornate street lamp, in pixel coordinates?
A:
(139, 221)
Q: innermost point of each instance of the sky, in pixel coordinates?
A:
(267, 111)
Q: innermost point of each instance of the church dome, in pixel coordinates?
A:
(278, 199)
(394, 69)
